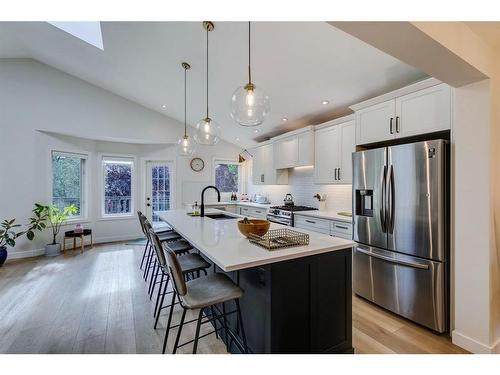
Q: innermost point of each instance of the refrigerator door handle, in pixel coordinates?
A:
(395, 261)
(390, 200)
(383, 219)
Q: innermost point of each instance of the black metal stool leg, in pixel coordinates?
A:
(159, 292)
(169, 322)
(144, 253)
(224, 319)
(148, 263)
(161, 301)
(212, 312)
(243, 336)
(154, 276)
(176, 345)
(197, 334)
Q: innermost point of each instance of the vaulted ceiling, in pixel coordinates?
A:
(299, 64)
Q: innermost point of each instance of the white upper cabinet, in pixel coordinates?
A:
(424, 111)
(294, 149)
(347, 141)
(421, 108)
(286, 152)
(263, 171)
(334, 146)
(375, 123)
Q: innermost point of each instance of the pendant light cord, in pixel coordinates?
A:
(249, 61)
(207, 72)
(185, 103)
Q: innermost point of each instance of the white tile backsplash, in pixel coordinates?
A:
(301, 185)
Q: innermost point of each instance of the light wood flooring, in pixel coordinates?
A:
(97, 302)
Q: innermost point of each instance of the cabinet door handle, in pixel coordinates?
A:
(335, 174)
(397, 124)
(391, 129)
(261, 178)
(310, 221)
(338, 174)
(341, 227)
(258, 212)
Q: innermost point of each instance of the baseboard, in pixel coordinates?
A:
(37, 252)
(472, 345)
(25, 254)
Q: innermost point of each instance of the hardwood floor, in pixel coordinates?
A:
(97, 302)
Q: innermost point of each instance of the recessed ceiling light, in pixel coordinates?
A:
(325, 102)
(237, 139)
(164, 106)
(284, 119)
(256, 130)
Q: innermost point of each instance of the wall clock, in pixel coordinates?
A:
(197, 164)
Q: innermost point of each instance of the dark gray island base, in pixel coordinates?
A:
(297, 306)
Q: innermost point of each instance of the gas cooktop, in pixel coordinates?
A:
(293, 208)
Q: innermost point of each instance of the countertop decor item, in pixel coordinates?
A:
(280, 238)
(253, 226)
(185, 145)
(207, 130)
(250, 105)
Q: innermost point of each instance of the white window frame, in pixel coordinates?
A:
(240, 173)
(133, 193)
(83, 216)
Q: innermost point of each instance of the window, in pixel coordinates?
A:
(118, 186)
(68, 181)
(227, 176)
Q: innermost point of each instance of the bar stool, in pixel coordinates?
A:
(180, 247)
(191, 265)
(166, 235)
(201, 293)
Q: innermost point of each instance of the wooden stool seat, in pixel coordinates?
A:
(81, 235)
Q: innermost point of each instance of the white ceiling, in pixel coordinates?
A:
(299, 64)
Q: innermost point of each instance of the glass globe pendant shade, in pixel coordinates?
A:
(185, 146)
(250, 105)
(207, 132)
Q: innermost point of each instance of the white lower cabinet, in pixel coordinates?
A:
(331, 227)
(257, 213)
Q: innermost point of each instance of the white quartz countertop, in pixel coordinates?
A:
(223, 244)
(330, 215)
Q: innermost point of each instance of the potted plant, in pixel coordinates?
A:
(9, 231)
(56, 219)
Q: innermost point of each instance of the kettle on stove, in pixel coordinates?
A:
(288, 201)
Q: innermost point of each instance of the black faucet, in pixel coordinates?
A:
(202, 210)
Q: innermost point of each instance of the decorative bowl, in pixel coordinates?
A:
(255, 226)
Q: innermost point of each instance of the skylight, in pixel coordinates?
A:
(89, 32)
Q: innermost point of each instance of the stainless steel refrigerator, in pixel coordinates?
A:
(400, 224)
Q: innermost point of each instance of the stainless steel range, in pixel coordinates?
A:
(284, 214)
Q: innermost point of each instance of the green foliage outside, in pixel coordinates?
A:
(226, 177)
(66, 181)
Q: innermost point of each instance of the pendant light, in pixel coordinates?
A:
(249, 105)
(185, 146)
(207, 130)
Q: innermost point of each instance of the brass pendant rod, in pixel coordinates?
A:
(249, 58)
(207, 72)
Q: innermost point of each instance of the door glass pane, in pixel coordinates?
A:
(160, 186)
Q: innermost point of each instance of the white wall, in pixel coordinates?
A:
(473, 219)
(36, 97)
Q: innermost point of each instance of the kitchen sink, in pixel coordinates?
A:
(220, 216)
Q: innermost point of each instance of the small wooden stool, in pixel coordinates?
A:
(71, 234)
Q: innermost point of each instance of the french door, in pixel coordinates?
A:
(159, 188)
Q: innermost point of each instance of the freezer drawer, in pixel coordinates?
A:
(409, 286)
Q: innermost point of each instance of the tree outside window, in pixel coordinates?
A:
(117, 187)
(227, 177)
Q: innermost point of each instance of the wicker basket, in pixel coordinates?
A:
(280, 238)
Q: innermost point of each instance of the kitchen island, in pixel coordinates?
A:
(297, 300)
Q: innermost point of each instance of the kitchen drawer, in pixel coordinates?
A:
(258, 213)
(312, 223)
(341, 229)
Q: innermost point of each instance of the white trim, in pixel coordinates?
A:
(417, 86)
(101, 158)
(25, 254)
(337, 121)
(472, 345)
